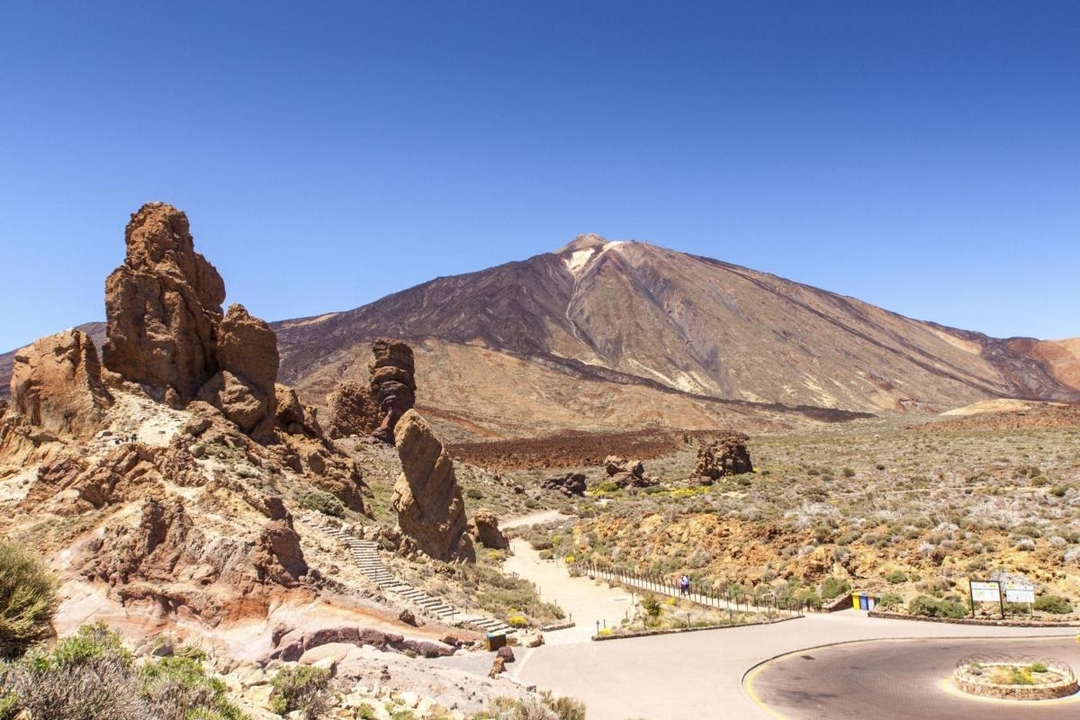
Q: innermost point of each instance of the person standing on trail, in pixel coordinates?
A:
(684, 585)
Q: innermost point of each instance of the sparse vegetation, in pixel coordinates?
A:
(27, 600)
(932, 607)
(91, 676)
(890, 601)
(917, 523)
(324, 502)
(302, 688)
(1053, 604)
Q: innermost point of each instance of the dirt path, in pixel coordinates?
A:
(539, 518)
(590, 604)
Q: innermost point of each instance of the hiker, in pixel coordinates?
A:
(684, 585)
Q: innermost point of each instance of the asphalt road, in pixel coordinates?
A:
(899, 680)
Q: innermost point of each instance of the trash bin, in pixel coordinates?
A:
(855, 601)
(871, 602)
(864, 602)
(496, 640)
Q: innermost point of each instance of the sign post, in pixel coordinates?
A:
(1021, 591)
(986, 591)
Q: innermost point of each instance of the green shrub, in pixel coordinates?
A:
(652, 605)
(8, 702)
(1053, 604)
(953, 609)
(474, 494)
(896, 577)
(834, 587)
(542, 707)
(91, 675)
(324, 502)
(564, 707)
(27, 600)
(890, 601)
(304, 688)
(810, 600)
(86, 677)
(178, 688)
(931, 607)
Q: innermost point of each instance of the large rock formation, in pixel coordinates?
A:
(165, 327)
(392, 384)
(163, 306)
(427, 497)
(725, 455)
(243, 389)
(375, 410)
(56, 386)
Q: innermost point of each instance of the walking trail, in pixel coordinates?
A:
(695, 675)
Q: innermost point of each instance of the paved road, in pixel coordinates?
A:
(899, 680)
(699, 675)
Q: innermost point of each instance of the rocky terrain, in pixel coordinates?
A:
(765, 438)
(178, 491)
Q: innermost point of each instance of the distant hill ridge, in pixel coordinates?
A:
(617, 335)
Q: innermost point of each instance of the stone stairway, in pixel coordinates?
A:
(366, 555)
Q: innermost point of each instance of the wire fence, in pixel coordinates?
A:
(699, 591)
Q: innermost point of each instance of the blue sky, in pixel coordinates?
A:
(922, 156)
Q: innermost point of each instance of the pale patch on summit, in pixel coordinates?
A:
(578, 259)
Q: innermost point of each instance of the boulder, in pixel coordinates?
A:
(279, 557)
(292, 415)
(568, 484)
(238, 400)
(627, 473)
(532, 639)
(162, 306)
(427, 497)
(56, 385)
(725, 455)
(484, 528)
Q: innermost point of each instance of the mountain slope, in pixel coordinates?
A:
(635, 314)
(605, 335)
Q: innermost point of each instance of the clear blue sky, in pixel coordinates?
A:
(922, 156)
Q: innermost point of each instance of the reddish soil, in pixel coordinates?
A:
(1052, 416)
(572, 449)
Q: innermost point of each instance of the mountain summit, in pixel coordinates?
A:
(615, 334)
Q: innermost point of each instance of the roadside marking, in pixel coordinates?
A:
(748, 686)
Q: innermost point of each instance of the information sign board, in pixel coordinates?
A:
(1017, 591)
(985, 591)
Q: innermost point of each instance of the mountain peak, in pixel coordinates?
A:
(588, 241)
